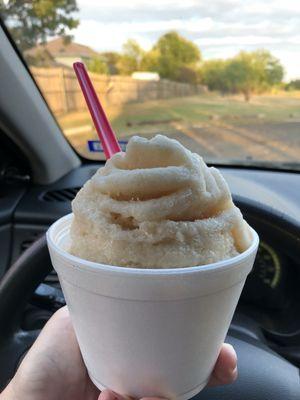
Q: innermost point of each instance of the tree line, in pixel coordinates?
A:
(179, 59)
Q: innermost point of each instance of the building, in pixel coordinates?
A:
(145, 76)
(59, 52)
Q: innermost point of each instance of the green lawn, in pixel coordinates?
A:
(160, 114)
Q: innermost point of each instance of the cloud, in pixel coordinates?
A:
(271, 7)
(219, 27)
(136, 3)
(221, 10)
(247, 40)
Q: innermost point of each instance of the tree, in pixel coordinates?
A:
(243, 75)
(131, 57)
(253, 72)
(98, 65)
(213, 75)
(173, 57)
(175, 52)
(293, 85)
(33, 21)
(111, 58)
(188, 75)
(273, 70)
(150, 61)
(246, 73)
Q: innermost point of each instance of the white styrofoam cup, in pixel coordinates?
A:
(149, 332)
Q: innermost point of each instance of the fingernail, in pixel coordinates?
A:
(231, 350)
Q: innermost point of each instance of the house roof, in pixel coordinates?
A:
(57, 48)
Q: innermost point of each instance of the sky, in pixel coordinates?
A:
(220, 28)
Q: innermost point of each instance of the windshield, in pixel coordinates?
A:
(223, 77)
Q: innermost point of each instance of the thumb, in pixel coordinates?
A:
(108, 394)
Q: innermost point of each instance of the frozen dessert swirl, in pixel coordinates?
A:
(157, 206)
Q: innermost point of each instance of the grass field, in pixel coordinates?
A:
(219, 128)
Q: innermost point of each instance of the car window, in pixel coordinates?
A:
(222, 78)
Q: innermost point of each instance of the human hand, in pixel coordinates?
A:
(53, 368)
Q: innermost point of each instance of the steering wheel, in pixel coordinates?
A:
(263, 374)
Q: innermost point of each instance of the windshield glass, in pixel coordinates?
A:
(223, 77)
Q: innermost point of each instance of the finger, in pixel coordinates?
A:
(108, 394)
(225, 370)
(153, 398)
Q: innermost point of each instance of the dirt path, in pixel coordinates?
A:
(275, 148)
(216, 140)
(206, 146)
(237, 145)
(224, 141)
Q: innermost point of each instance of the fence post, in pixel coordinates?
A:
(63, 90)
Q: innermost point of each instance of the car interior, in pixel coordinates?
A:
(40, 174)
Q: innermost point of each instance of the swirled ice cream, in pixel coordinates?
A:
(157, 206)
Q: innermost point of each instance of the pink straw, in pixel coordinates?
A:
(106, 134)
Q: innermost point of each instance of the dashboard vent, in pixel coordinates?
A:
(60, 195)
